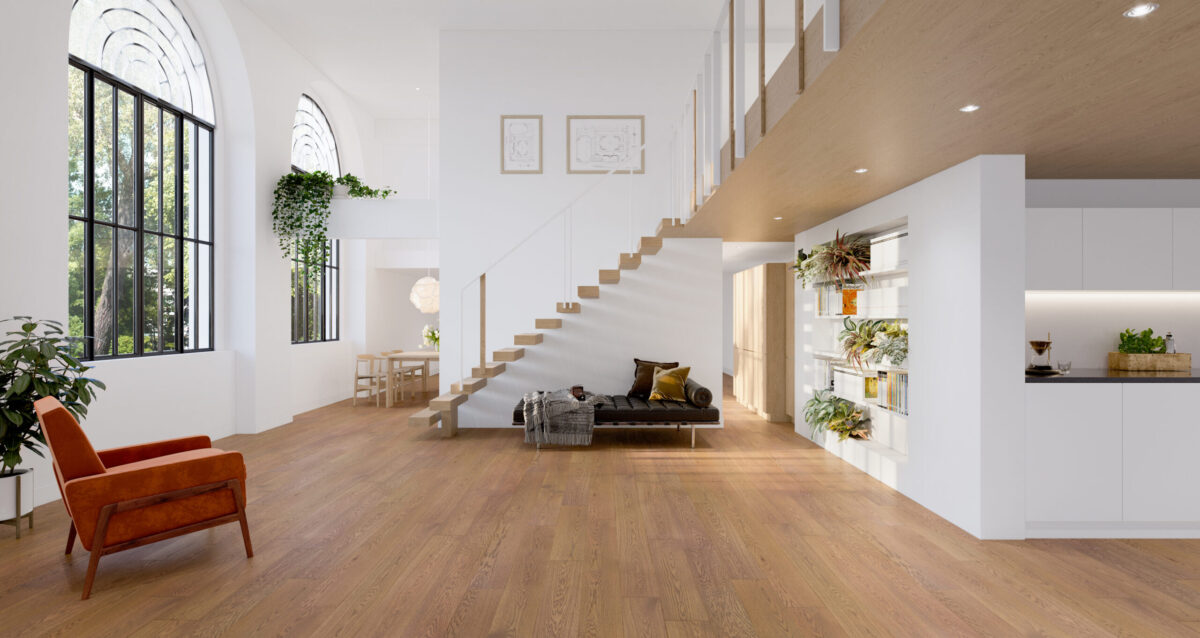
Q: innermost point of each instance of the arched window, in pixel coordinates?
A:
(313, 145)
(140, 181)
(316, 285)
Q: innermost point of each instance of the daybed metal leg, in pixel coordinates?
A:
(693, 426)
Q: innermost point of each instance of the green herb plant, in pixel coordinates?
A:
(36, 362)
(300, 217)
(825, 411)
(1143, 342)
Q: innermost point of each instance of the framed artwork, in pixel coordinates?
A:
(520, 144)
(601, 143)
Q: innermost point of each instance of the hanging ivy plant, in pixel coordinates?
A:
(300, 217)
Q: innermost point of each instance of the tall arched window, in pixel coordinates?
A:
(140, 181)
(313, 145)
(316, 285)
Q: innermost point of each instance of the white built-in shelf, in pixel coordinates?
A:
(877, 274)
(902, 415)
(885, 316)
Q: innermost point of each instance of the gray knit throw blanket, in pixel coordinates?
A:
(558, 418)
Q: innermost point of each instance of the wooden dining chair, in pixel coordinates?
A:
(404, 374)
(368, 377)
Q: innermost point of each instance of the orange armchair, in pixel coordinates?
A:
(128, 497)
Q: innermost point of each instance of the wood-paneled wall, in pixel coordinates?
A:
(761, 321)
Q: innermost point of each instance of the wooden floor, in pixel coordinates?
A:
(366, 526)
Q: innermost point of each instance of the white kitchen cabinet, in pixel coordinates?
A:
(1162, 441)
(1054, 249)
(1073, 452)
(1187, 248)
(1127, 249)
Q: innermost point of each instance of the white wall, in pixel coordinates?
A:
(666, 310)
(393, 322)
(484, 74)
(966, 274)
(251, 382)
(1084, 325)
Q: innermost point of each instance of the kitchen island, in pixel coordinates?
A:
(1112, 454)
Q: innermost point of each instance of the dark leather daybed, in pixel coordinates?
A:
(620, 411)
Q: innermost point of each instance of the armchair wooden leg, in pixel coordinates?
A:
(106, 513)
(71, 538)
(239, 496)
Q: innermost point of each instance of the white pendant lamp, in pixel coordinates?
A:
(425, 294)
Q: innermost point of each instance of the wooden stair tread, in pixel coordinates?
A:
(630, 261)
(528, 339)
(447, 401)
(493, 369)
(650, 245)
(547, 324)
(508, 354)
(670, 227)
(589, 292)
(470, 385)
(569, 308)
(427, 417)
(610, 276)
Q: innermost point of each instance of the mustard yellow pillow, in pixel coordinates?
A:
(669, 384)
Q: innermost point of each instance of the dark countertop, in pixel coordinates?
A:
(1103, 375)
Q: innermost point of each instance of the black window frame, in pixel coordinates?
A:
(92, 74)
(331, 270)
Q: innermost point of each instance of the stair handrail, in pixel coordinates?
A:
(565, 209)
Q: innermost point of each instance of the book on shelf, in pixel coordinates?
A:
(893, 390)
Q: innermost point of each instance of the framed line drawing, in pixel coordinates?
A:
(602, 143)
(520, 144)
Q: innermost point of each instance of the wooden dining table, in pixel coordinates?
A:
(423, 357)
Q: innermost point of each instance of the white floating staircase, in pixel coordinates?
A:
(444, 409)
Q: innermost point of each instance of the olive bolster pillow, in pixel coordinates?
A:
(697, 394)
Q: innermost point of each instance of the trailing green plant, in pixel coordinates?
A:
(858, 339)
(825, 411)
(842, 261)
(891, 343)
(36, 362)
(1143, 342)
(300, 216)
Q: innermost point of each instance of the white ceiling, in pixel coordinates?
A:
(382, 51)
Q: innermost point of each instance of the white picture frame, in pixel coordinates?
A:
(520, 144)
(603, 143)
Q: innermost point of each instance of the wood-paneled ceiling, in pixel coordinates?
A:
(1074, 85)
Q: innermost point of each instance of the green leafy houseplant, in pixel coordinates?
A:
(824, 411)
(891, 343)
(36, 362)
(842, 261)
(1143, 342)
(300, 217)
(858, 339)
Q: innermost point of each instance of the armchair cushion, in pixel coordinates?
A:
(135, 453)
(86, 496)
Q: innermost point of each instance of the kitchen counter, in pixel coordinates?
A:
(1104, 375)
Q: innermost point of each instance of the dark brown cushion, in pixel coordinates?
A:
(697, 394)
(643, 377)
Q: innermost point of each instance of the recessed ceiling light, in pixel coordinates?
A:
(860, 171)
(1141, 10)
(418, 88)
(778, 219)
(970, 108)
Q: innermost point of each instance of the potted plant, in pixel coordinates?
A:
(300, 216)
(890, 343)
(35, 362)
(827, 412)
(842, 261)
(858, 340)
(1144, 351)
(432, 337)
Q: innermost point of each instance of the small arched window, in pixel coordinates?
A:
(313, 145)
(316, 284)
(140, 181)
